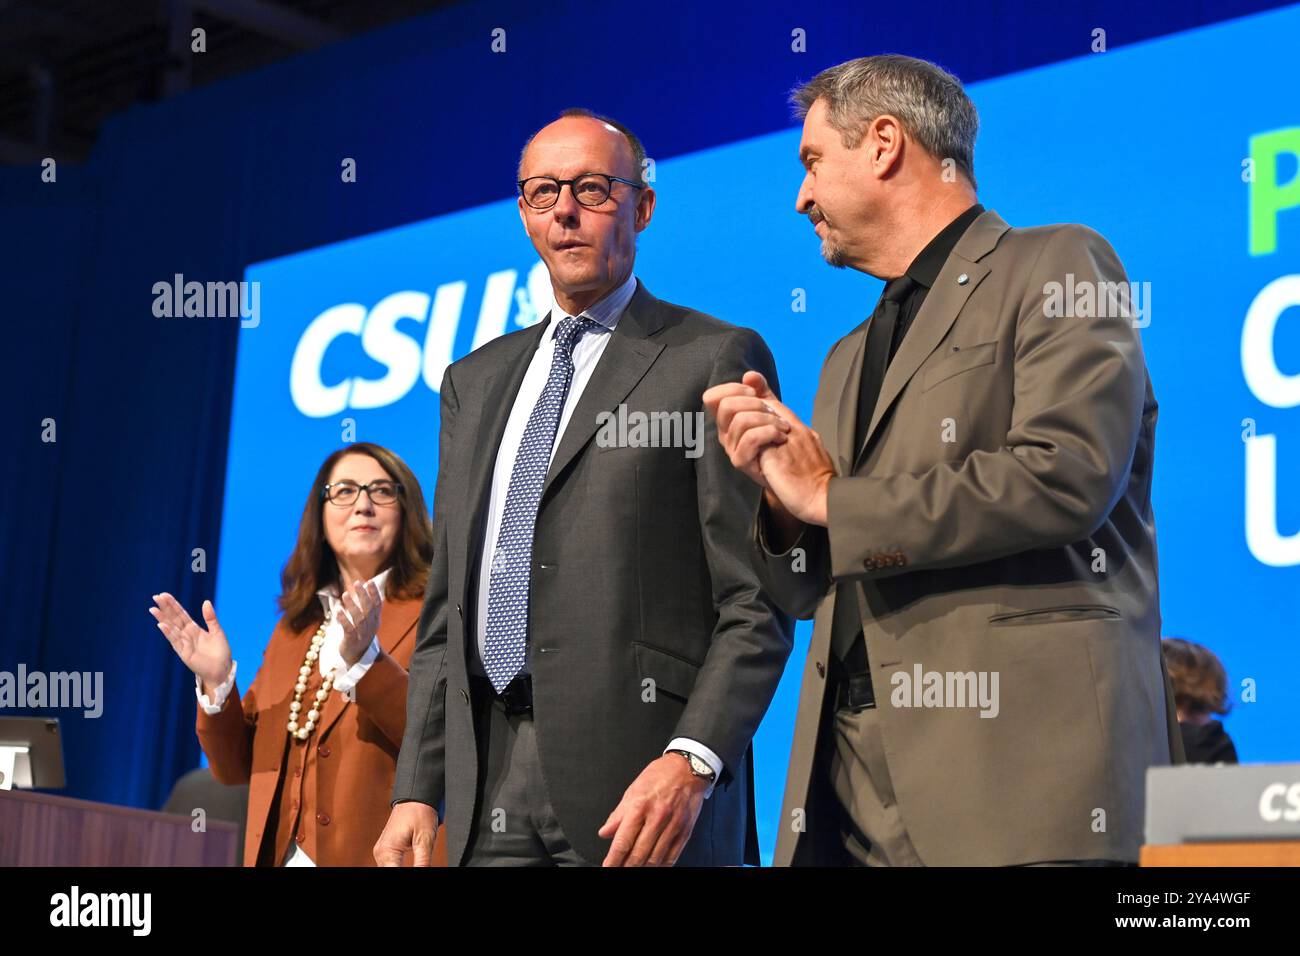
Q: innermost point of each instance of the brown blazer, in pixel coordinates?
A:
(996, 520)
(342, 775)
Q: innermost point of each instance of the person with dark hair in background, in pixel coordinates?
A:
(316, 735)
(1200, 689)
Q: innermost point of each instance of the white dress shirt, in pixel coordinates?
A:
(586, 354)
(329, 659)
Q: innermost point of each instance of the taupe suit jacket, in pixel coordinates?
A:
(997, 519)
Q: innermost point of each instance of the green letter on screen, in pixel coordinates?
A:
(1268, 197)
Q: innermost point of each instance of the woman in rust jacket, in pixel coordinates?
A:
(316, 734)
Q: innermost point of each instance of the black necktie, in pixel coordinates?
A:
(846, 625)
(880, 349)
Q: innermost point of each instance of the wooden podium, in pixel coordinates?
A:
(1273, 853)
(40, 829)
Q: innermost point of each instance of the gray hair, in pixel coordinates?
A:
(927, 99)
(633, 141)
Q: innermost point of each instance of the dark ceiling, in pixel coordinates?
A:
(66, 65)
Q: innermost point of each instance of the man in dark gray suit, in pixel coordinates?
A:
(595, 652)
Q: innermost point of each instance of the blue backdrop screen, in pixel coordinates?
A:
(1193, 180)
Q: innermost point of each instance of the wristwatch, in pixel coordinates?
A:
(698, 766)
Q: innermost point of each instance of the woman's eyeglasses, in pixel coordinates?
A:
(344, 493)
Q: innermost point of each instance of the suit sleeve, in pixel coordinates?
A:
(752, 637)
(227, 736)
(381, 695)
(1079, 388)
(421, 763)
(797, 577)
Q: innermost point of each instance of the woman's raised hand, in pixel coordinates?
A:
(360, 620)
(205, 652)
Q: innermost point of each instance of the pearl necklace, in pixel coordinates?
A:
(300, 688)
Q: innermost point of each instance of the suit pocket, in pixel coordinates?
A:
(973, 356)
(1057, 615)
(671, 674)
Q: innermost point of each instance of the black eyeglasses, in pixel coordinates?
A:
(590, 189)
(344, 493)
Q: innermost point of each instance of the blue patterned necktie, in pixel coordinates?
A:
(507, 615)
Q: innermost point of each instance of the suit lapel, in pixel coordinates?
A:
(846, 420)
(960, 276)
(627, 357)
(396, 622)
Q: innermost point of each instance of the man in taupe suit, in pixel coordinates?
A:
(969, 517)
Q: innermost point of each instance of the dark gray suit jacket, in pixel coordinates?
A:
(640, 570)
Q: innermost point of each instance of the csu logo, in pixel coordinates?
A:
(407, 360)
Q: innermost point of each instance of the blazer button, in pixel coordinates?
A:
(465, 694)
(323, 750)
(821, 669)
(300, 838)
(297, 771)
(459, 611)
(323, 819)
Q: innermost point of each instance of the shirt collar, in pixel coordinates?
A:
(332, 592)
(606, 312)
(929, 261)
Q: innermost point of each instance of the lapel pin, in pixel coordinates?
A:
(963, 279)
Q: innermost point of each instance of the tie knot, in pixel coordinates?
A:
(896, 290)
(571, 327)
